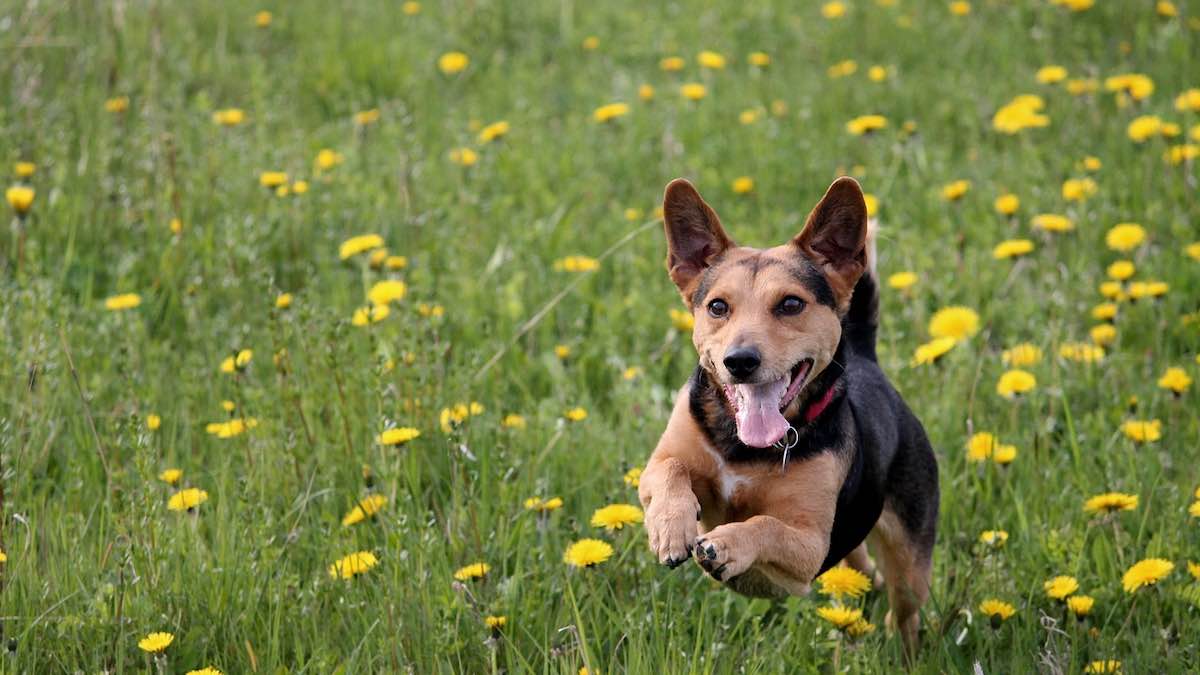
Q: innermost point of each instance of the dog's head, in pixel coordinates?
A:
(768, 321)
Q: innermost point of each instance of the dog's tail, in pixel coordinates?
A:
(862, 319)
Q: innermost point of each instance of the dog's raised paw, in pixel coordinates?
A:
(722, 554)
(671, 532)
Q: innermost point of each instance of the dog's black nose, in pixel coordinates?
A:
(742, 362)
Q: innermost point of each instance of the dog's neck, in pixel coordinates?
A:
(807, 414)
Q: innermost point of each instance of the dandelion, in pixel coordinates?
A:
(1023, 354)
(1147, 572)
(576, 414)
(860, 628)
(205, 671)
(153, 422)
(229, 117)
(1105, 311)
(842, 69)
(631, 373)
(1050, 74)
(272, 179)
(170, 476)
(513, 421)
(997, 611)
(562, 351)
(1078, 189)
(452, 63)
(682, 321)
(672, 64)
(633, 477)
(645, 92)
(1147, 289)
(742, 185)
(366, 507)
(759, 59)
(1178, 154)
(387, 291)
(395, 262)
(877, 73)
(397, 436)
(609, 112)
(833, 10)
(283, 301)
(1091, 163)
(1193, 251)
(1110, 502)
(327, 159)
(411, 8)
(1144, 127)
(955, 190)
(1007, 204)
(238, 362)
(587, 553)
(1125, 237)
(156, 643)
(300, 187)
(960, 8)
(1012, 248)
(1080, 605)
(616, 516)
(20, 198)
(1082, 86)
(117, 303)
(353, 565)
(1176, 380)
(3, 557)
(187, 499)
(234, 427)
(1166, 9)
(1060, 587)
(495, 622)
(543, 505)
(902, 281)
(364, 118)
(577, 263)
(711, 60)
(1004, 454)
(866, 124)
(933, 350)
(872, 203)
(840, 617)
(591, 43)
(1081, 352)
(1015, 382)
(117, 104)
(1023, 112)
(1103, 334)
(693, 91)
(993, 538)
(1134, 85)
(1107, 666)
(493, 132)
(1142, 431)
(956, 322)
(1053, 222)
(843, 582)
(24, 169)
(364, 316)
(981, 445)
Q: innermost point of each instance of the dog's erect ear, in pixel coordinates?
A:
(694, 235)
(835, 236)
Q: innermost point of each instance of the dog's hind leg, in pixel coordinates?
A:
(906, 567)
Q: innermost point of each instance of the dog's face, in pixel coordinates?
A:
(768, 321)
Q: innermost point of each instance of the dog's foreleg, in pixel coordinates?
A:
(672, 510)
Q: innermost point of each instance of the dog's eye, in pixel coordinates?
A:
(790, 306)
(718, 308)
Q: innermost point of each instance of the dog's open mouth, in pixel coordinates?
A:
(758, 408)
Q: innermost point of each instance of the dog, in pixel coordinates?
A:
(788, 448)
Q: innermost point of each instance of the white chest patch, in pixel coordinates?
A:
(728, 480)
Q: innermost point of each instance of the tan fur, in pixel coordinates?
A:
(906, 574)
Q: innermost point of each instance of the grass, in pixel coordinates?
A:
(96, 561)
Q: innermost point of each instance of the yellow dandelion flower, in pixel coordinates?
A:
(902, 281)
(1081, 352)
(645, 92)
(366, 507)
(633, 477)
(272, 179)
(1022, 112)
(1060, 587)
(693, 91)
(956, 322)
(1080, 605)
(672, 63)
(493, 131)
(1023, 354)
(452, 63)
(117, 104)
(1105, 311)
(1107, 666)
(359, 244)
(1082, 86)
(576, 414)
(1050, 74)
(513, 421)
(387, 291)
(877, 73)
(616, 516)
(759, 59)
(993, 538)
(364, 316)
(1125, 236)
(842, 69)
(171, 476)
(1053, 222)
(681, 320)
(327, 159)
(833, 10)
(1110, 502)
(1142, 431)
(121, 302)
(397, 436)
(843, 582)
(210, 670)
(933, 350)
(1004, 454)
(495, 622)
(981, 445)
(156, 643)
(960, 8)
(872, 203)
(996, 610)
(1175, 379)
(1146, 573)
(840, 617)
(283, 301)
(742, 185)
(24, 169)
(866, 124)
(473, 571)
(1144, 127)
(587, 553)
(1007, 204)
(576, 263)
(610, 111)
(187, 499)
(955, 190)
(1078, 189)
(1103, 334)
(1015, 382)
(1012, 248)
(710, 59)
(229, 117)
(591, 43)
(1121, 270)
(353, 565)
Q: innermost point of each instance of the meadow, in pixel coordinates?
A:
(328, 328)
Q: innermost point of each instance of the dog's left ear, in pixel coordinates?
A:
(835, 236)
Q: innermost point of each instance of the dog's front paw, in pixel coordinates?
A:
(726, 551)
(671, 526)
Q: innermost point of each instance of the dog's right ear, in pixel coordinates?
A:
(694, 235)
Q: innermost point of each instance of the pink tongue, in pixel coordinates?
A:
(759, 422)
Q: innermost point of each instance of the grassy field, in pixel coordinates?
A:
(532, 345)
